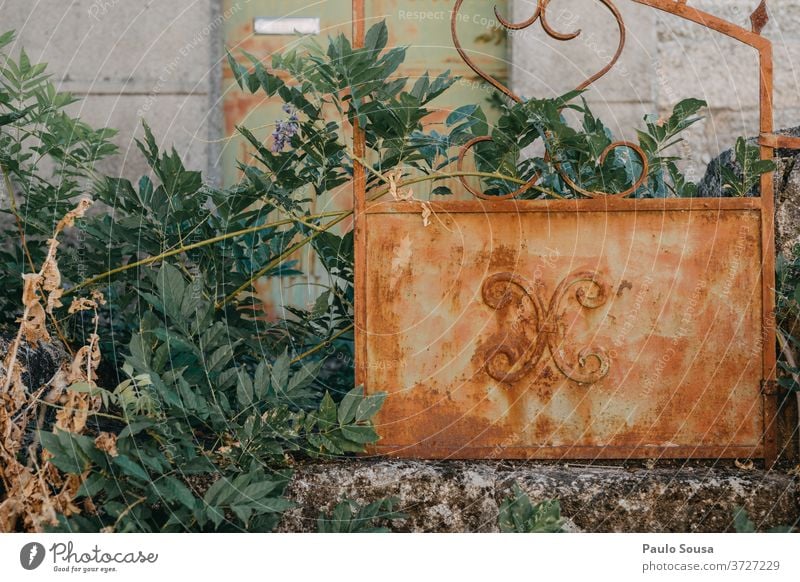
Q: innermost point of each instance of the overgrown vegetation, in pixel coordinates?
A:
(350, 517)
(519, 515)
(748, 159)
(185, 408)
(743, 524)
(192, 406)
(788, 323)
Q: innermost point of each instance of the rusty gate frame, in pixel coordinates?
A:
(768, 141)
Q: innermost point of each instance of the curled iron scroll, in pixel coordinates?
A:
(540, 15)
(512, 356)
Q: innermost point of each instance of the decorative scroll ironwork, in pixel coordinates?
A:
(540, 15)
(512, 355)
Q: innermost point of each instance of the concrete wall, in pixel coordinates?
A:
(665, 59)
(130, 60)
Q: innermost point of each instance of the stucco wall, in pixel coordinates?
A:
(665, 59)
(131, 60)
(160, 61)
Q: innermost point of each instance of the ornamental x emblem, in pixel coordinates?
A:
(513, 354)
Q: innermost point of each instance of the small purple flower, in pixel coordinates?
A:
(285, 130)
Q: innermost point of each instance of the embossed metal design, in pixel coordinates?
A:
(512, 355)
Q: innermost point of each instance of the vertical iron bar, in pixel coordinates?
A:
(769, 358)
(359, 218)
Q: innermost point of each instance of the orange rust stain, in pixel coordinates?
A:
(622, 286)
(682, 364)
(237, 106)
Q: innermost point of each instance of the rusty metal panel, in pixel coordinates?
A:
(542, 331)
(595, 327)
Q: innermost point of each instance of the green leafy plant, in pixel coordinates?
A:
(750, 168)
(207, 391)
(47, 161)
(519, 515)
(743, 524)
(664, 178)
(351, 517)
(190, 411)
(584, 154)
(788, 318)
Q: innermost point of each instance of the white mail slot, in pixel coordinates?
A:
(285, 26)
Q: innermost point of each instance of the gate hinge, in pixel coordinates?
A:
(769, 387)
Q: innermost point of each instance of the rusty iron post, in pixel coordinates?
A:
(359, 219)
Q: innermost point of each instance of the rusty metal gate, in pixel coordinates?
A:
(599, 327)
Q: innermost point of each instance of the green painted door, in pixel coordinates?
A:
(422, 25)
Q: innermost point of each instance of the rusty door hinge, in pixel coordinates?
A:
(769, 387)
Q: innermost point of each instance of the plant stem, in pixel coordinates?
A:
(318, 347)
(445, 175)
(279, 259)
(128, 509)
(12, 201)
(372, 198)
(183, 249)
(440, 176)
(341, 215)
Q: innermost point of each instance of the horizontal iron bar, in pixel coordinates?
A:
(566, 452)
(580, 205)
(774, 140)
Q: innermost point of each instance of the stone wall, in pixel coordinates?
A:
(455, 496)
(129, 61)
(665, 59)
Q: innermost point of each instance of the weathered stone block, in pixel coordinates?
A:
(456, 496)
(784, 19)
(720, 70)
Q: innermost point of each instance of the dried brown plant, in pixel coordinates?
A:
(34, 492)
